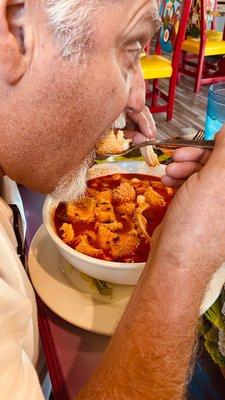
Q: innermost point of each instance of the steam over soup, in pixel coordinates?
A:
(116, 218)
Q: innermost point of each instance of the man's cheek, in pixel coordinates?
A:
(119, 97)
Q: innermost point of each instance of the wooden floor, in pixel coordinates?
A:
(189, 113)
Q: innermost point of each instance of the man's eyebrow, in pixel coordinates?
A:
(152, 19)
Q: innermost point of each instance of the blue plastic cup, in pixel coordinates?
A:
(215, 118)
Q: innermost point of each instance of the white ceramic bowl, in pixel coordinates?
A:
(116, 272)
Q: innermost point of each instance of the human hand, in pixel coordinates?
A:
(140, 126)
(193, 229)
(186, 161)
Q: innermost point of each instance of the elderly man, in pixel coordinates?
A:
(68, 69)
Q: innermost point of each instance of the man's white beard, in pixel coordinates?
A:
(74, 186)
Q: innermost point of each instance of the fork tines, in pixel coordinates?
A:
(199, 135)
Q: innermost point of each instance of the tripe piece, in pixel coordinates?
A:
(104, 197)
(104, 212)
(112, 226)
(106, 237)
(67, 233)
(124, 193)
(126, 208)
(86, 248)
(154, 198)
(125, 246)
(139, 185)
(91, 193)
(83, 210)
(141, 221)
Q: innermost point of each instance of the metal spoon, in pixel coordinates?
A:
(170, 144)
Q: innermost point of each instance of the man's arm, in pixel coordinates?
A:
(149, 355)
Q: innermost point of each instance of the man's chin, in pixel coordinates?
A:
(73, 187)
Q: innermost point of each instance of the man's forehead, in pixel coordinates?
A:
(145, 13)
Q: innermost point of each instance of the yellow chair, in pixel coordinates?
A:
(207, 50)
(154, 67)
(214, 35)
(212, 47)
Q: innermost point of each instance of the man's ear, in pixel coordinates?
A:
(14, 44)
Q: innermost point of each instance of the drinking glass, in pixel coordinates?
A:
(215, 118)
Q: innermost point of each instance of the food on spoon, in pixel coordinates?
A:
(150, 156)
(113, 143)
(116, 219)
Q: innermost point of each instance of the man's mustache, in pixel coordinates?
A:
(120, 122)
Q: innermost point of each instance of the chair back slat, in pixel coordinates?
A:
(171, 13)
(174, 14)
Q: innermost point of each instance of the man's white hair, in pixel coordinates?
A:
(72, 24)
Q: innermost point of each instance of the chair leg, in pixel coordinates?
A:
(204, 68)
(154, 94)
(199, 73)
(171, 97)
(222, 66)
(169, 116)
(181, 66)
(183, 61)
(179, 78)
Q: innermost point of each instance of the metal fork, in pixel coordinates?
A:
(199, 136)
(170, 144)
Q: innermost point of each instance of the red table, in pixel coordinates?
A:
(72, 353)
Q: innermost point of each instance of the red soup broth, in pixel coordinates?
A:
(154, 214)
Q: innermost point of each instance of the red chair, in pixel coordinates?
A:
(203, 55)
(175, 15)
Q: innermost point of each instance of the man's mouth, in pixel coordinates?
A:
(120, 122)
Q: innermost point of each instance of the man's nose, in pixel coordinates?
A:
(136, 99)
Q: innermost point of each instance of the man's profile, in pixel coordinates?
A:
(68, 69)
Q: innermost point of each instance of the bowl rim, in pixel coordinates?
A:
(47, 216)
